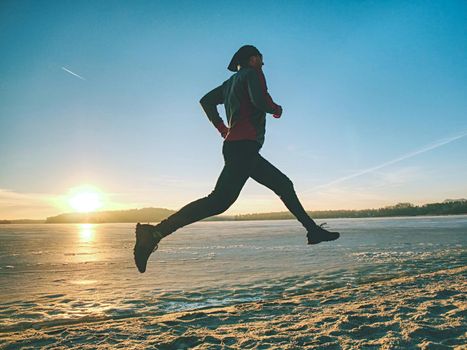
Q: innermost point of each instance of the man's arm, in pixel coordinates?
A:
(258, 92)
(209, 104)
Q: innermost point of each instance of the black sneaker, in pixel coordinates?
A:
(147, 240)
(318, 234)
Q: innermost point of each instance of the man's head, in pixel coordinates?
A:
(246, 56)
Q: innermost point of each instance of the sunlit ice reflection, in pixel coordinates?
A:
(85, 249)
(86, 233)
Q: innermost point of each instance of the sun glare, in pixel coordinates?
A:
(85, 200)
(86, 233)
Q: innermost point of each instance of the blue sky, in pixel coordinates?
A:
(373, 93)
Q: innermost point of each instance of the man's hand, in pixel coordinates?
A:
(278, 112)
(223, 130)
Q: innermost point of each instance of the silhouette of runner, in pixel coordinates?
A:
(246, 100)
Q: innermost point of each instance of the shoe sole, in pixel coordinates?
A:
(324, 240)
(141, 269)
(142, 252)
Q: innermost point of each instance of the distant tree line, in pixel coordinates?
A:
(448, 207)
(131, 215)
(22, 221)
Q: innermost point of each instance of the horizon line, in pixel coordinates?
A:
(447, 200)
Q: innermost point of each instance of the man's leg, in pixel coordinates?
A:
(227, 189)
(268, 175)
(240, 158)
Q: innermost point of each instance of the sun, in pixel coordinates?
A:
(85, 199)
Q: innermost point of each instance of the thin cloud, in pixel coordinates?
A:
(424, 149)
(76, 75)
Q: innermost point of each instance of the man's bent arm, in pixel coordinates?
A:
(258, 92)
(209, 104)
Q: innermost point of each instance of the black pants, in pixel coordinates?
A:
(242, 160)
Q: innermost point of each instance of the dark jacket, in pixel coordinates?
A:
(246, 100)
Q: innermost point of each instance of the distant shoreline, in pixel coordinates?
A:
(224, 219)
(448, 207)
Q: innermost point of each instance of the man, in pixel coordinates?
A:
(246, 102)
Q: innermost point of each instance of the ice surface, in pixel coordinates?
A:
(397, 279)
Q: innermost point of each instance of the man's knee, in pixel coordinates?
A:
(221, 201)
(285, 187)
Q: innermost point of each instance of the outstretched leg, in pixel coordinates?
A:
(227, 189)
(268, 175)
(240, 159)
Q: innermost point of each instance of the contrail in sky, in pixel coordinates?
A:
(76, 75)
(424, 149)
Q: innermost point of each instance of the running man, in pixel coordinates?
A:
(246, 101)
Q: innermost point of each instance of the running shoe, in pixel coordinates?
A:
(147, 240)
(318, 234)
